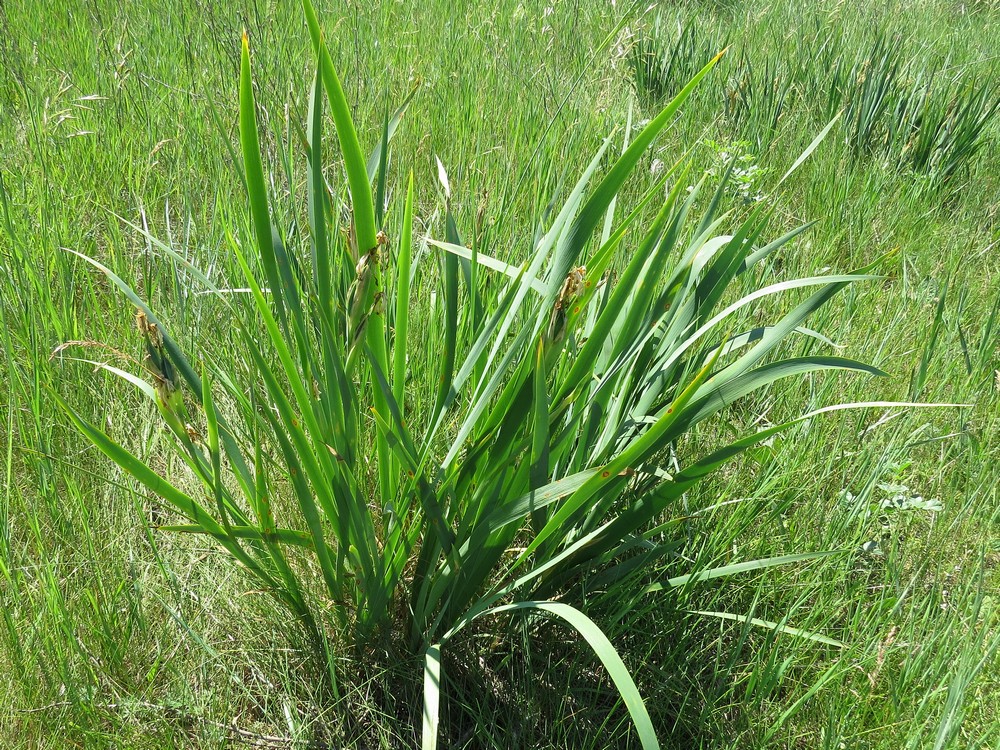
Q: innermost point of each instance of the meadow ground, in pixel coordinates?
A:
(118, 117)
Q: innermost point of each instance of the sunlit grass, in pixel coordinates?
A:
(109, 629)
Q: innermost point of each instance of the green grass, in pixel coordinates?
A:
(113, 634)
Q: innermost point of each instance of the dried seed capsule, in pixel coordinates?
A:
(572, 287)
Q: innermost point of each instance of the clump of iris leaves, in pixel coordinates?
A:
(555, 397)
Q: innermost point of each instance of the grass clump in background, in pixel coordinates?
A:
(929, 118)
